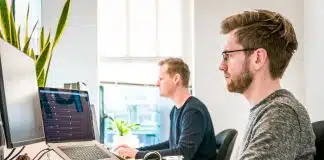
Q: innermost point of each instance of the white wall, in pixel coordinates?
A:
(75, 58)
(231, 110)
(314, 57)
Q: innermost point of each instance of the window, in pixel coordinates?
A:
(138, 104)
(133, 35)
(140, 28)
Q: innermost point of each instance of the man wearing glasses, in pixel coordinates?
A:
(258, 49)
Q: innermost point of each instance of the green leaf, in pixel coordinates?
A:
(27, 18)
(41, 40)
(26, 46)
(1, 35)
(59, 31)
(41, 60)
(47, 40)
(42, 63)
(41, 78)
(5, 22)
(62, 23)
(18, 37)
(32, 53)
(14, 37)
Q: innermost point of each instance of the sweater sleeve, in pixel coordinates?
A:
(159, 146)
(192, 133)
(275, 136)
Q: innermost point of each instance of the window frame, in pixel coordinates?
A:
(186, 35)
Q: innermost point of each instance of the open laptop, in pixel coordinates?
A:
(68, 125)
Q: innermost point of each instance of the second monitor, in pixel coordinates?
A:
(19, 98)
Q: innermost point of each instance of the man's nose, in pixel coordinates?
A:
(222, 66)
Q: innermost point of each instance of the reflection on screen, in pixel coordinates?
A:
(66, 116)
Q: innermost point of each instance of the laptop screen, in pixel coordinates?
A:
(66, 115)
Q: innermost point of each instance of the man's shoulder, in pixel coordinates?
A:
(282, 102)
(195, 104)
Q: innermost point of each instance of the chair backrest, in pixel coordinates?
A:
(225, 141)
(318, 128)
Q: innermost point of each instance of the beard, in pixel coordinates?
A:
(240, 83)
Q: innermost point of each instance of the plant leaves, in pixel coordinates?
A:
(41, 40)
(32, 53)
(27, 19)
(13, 33)
(43, 56)
(18, 37)
(59, 30)
(62, 23)
(26, 46)
(5, 23)
(42, 65)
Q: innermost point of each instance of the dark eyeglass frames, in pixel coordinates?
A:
(225, 53)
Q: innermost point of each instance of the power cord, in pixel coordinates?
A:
(10, 153)
(46, 149)
(17, 153)
(44, 154)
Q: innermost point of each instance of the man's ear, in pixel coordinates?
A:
(177, 78)
(259, 58)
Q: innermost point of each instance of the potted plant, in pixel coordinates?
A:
(10, 32)
(123, 132)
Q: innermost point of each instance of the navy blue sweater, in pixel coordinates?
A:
(191, 133)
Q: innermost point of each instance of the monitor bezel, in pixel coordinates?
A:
(5, 126)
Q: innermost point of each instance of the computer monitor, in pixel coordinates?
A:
(66, 115)
(19, 98)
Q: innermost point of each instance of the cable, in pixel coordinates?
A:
(40, 152)
(10, 153)
(17, 153)
(44, 154)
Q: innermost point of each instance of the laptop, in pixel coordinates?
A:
(68, 125)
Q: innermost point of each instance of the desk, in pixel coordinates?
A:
(32, 151)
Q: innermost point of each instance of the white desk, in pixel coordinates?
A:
(33, 149)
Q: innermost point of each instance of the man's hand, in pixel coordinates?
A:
(122, 146)
(127, 152)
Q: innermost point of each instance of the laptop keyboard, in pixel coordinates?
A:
(85, 153)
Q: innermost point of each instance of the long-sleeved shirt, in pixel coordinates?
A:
(191, 133)
(279, 127)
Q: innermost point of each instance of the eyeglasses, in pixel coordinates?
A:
(225, 53)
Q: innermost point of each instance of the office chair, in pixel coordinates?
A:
(225, 142)
(318, 128)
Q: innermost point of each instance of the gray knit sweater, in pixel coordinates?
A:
(279, 128)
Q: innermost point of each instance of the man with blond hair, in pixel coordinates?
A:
(259, 46)
(191, 128)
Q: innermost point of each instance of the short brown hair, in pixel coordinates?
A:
(177, 65)
(268, 30)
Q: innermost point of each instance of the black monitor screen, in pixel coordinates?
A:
(66, 115)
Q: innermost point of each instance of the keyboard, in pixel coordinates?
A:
(85, 153)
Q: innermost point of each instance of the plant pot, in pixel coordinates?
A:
(130, 140)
